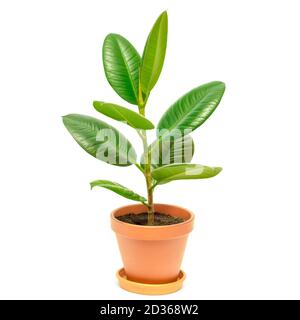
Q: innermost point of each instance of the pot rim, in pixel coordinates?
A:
(192, 217)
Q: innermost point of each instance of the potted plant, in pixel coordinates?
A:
(151, 237)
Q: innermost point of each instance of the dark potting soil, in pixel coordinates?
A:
(160, 219)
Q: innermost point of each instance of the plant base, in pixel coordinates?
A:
(149, 289)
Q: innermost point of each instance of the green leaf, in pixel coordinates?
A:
(119, 113)
(154, 53)
(183, 171)
(121, 65)
(100, 140)
(119, 189)
(191, 110)
(166, 151)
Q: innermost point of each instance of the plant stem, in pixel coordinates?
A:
(148, 177)
(147, 166)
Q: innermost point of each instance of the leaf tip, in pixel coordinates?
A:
(221, 84)
(97, 104)
(218, 170)
(109, 36)
(65, 118)
(164, 16)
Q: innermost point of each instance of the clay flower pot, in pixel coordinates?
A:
(152, 255)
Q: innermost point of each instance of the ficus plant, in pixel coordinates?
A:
(133, 77)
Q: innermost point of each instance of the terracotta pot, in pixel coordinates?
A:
(152, 254)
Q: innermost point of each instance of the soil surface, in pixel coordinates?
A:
(160, 219)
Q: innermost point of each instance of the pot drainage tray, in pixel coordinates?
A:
(147, 288)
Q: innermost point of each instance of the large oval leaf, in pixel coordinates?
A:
(191, 110)
(167, 151)
(121, 65)
(125, 115)
(154, 53)
(119, 189)
(100, 140)
(184, 171)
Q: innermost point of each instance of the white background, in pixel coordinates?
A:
(55, 236)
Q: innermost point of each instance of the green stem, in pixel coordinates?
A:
(147, 166)
(148, 177)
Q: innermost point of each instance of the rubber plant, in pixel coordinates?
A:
(133, 77)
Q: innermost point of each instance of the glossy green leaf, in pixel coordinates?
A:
(100, 140)
(119, 189)
(154, 53)
(167, 151)
(121, 65)
(125, 115)
(191, 110)
(183, 171)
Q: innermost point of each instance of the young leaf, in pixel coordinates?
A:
(193, 109)
(154, 53)
(119, 189)
(121, 64)
(119, 113)
(166, 151)
(100, 140)
(184, 171)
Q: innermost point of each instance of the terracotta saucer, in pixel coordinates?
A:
(149, 289)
